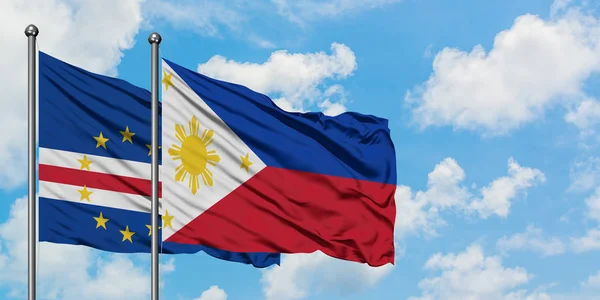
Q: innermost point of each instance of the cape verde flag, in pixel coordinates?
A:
(94, 165)
(243, 175)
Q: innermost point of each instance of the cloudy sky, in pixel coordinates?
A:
(493, 110)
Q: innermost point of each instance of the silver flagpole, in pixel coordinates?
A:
(154, 39)
(31, 32)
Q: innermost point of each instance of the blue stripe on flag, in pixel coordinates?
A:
(66, 222)
(350, 145)
(76, 105)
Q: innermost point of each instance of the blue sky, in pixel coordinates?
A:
(493, 112)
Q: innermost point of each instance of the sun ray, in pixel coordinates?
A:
(208, 175)
(194, 126)
(207, 180)
(180, 133)
(194, 184)
(181, 173)
(207, 137)
(175, 152)
(212, 157)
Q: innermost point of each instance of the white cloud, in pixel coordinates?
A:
(524, 295)
(588, 291)
(532, 66)
(293, 80)
(303, 274)
(420, 211)
(472, 275)
(67, 271)
(415, 214)
(213, 293)
(586, 115)
(443, 183)
(167, 267)
(331, 109)
(589, 242)
(117, 278)
(592, 282)
(301, 11)
(261, 42)
(585, 175)
(532, 239)
(559, 6)
(593, 205)
(335, 99)
(74, 31)
(204, 17)
(446, 190)
(496, 198)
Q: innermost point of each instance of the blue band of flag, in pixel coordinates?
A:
(349, 145)
(121, 231)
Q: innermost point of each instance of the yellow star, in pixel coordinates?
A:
(167, 80)
(150, 147)
(85, 163)
(150, 229)
(245, 162)
(101, 221)
(85, 194)
(127, 234)
(167, 219)
(101, 141)
(127, 135)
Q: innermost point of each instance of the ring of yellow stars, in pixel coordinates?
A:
(167, 80)
(150, 147)
(127, 234)
(246, 163)
(127, 135)
(101, 221)
(85, 194)
(85, 163)
(150, 229)
(194, 155)
(167, 219)
(101, 140)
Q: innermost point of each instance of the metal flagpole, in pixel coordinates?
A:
(154, 39)
(31, 32)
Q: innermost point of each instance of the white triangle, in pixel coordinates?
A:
(179, 104)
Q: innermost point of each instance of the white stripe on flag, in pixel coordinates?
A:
(98, 197)
(101, 164)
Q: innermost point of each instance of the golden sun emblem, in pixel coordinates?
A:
(194, 155)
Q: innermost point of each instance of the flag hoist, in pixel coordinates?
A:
(31, 31)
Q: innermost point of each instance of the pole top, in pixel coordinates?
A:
(154, 38)
(31, 30)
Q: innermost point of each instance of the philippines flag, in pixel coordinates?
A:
(94, 165)
(243, 175)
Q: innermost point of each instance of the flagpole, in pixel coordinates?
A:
(154, 39)
(31, 32)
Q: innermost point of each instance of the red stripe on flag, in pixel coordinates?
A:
(104, 181)
(286, 211)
